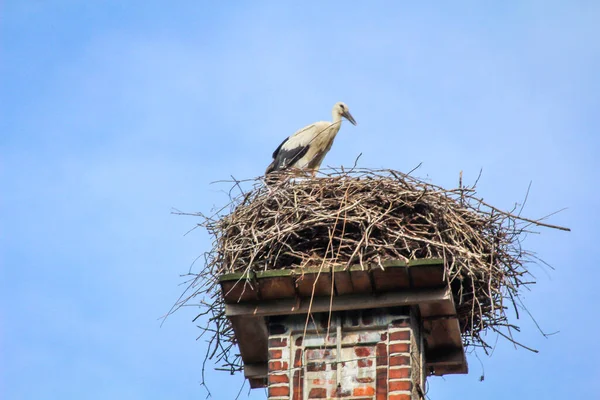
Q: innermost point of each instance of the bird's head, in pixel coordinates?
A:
(342, 110)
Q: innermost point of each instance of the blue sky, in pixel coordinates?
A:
(112, 113)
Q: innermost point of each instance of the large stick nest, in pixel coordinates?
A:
(366, 217)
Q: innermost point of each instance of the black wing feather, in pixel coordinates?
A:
(283, 158)
(279, 147)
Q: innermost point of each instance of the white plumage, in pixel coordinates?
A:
(307, 148)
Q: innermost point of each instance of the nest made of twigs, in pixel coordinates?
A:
(366, 217)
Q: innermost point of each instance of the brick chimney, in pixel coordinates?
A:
(350, 333)
(367, 354)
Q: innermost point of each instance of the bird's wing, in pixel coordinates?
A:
(279, 147)
(286, 157)
(299, 139)
(292, 149)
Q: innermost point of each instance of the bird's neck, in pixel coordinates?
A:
(337, 118)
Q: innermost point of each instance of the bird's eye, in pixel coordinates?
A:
(342, 106)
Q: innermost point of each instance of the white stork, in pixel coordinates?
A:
(306, 148)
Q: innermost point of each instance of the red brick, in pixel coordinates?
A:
(362, 351)
(399, 348)
(274, 354)
(381, 354)
(363, 391)
(399, 397)
(297, 377)
(402, 335)
(365, 363)
(317, 393)
(382, 380)
(315, 367)
(383, 337)
(399, 373)
(298, 358)
(364, 380)
(278, 366)
(279, 391)
(277, 342)
(297, 385)
(399, 360)
(279, 378)
(299, 341)
(400, 385)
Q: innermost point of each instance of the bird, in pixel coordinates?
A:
(306, 149)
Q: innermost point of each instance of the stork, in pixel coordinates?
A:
(306, 149)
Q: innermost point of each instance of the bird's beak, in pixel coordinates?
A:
(346, 114)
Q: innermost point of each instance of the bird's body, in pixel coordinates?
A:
(306, 149)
